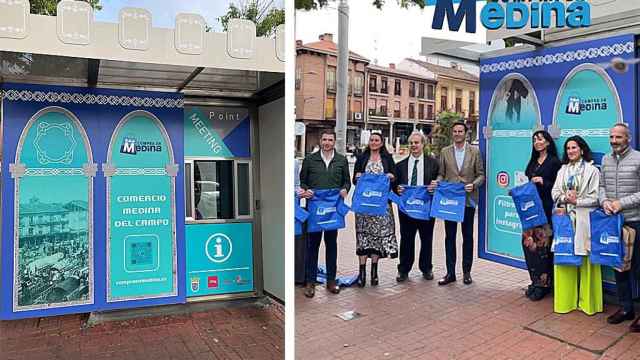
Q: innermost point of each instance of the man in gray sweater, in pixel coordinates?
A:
(620, 192)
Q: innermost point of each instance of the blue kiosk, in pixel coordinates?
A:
(567, 90)
(132, 173)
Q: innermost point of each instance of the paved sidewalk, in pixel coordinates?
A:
(247, 332)
(490, 319)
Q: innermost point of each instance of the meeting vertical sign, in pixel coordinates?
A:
(141, 219)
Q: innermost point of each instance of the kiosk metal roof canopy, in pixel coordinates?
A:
(73, 49)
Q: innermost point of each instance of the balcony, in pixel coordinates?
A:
(378, 113)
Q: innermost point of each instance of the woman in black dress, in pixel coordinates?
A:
(375, 235)
(536, 243)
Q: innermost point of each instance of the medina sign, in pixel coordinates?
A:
(512, 14)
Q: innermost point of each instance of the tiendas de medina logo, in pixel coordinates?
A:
(514, 14)
(577, 105)
(130, 145)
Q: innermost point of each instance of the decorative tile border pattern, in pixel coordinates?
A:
(561, 57)
(141, 171)
(55, 172)
(91, 99)
(512, 133)
(604, 132)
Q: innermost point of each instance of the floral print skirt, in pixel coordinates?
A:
(376, 235)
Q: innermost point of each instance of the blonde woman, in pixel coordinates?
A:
(575, 191)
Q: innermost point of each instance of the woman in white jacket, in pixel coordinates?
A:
(576, 193)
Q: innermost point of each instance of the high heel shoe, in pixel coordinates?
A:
(374, 274)
(362, 276)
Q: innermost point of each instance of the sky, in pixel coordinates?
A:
(164, 11)
(388, 35)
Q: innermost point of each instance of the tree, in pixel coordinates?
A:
(266, 19)
(441, 134)
(48, 7)
(315, 4)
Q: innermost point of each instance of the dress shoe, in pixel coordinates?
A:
(620, 316)
(333, 287)
(466, 278)
(362, 276)
(310, 290)
(402, 277)
(428, 275)
(374, 274)
(635, 326)
(447, 279)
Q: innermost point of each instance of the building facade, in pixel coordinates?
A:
(316, 88)
(399, 102)
(456, 90)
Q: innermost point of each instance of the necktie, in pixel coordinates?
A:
(414, 174)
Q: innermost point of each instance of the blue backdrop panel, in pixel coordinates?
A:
(219, 259)
(64, 228)
(574, 94)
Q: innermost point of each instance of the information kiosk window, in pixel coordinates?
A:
(218, 189)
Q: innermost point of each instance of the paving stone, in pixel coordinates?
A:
(490, 319)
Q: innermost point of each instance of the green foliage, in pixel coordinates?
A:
(441, 133)
(48, 7)
(315, 4)
(428, 149)
(266, 20)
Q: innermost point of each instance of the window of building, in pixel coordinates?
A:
(472, 102)
(397, 88)
(218, 189)
(443, 99)
(383, 108)
(459, 100)
(372, 106)
(330, 108)
(412, 89)
(431, 92)
(430, 112)
(383, 86)
(421, 91)
(298, 77)
(358, 89)
(396, 109)
(373, 85)
(356, 107)
(420, 111)
(331, 79)
(412, 110)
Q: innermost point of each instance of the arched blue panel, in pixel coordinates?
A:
(514, 114)
(141, 212)
(53, 213)
(588, 105)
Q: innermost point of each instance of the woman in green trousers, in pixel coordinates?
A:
(576, 194)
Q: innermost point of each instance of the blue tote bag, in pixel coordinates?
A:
(529, 206)
(415, 202)
(449, 201)
(326, 211)
(606, 239)
(301, 216)
(371, 195)
(563, 240)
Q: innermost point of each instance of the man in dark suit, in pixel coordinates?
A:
(461, 162)
(416, 170)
